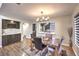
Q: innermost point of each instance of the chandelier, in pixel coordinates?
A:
(42, 17)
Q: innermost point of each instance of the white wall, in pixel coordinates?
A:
(62, 25)
(27, 29)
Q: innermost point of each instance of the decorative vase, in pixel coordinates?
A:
(70, 30)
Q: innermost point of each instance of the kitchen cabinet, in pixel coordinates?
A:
(10, 24)
(9, 39)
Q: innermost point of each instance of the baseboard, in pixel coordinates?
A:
(74, 51)
(65, 44)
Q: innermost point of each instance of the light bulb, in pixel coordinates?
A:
(37, 19)
(43, 17)
(46, 19)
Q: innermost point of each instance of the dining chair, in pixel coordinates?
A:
(56, 49)
(38, 43)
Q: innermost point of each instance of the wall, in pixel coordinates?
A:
(62, 24)
(75, 47)
(27, 29)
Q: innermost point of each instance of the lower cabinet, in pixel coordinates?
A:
(10, 39)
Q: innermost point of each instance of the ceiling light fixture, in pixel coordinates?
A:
(42, 17)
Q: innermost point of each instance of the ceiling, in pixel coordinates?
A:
(28, 11)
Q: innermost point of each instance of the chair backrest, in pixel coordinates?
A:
(60, 42)
(44, 52)
(33, 35)
(59, 46)
(48, 36)
(38, 43)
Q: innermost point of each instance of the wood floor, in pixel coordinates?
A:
(19, 49)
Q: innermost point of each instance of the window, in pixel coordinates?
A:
(47, 26)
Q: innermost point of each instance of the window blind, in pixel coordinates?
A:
(76, 22)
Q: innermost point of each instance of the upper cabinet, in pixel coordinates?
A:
(10, 24)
